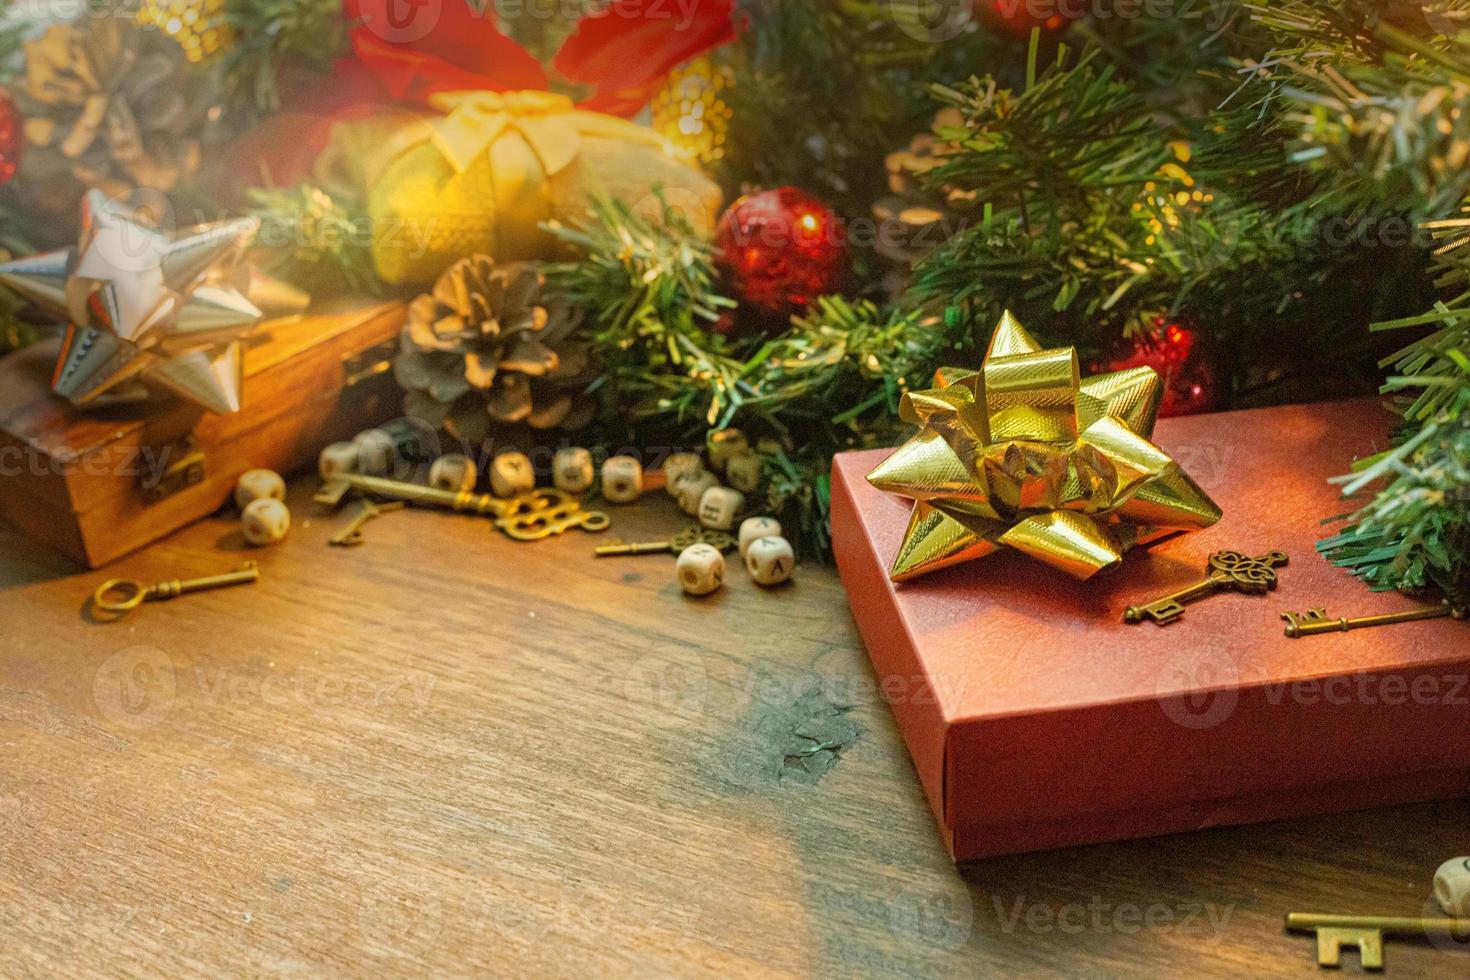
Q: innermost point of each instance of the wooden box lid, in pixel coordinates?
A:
(71, 476)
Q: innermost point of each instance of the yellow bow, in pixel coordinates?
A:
(1026, 454)
(548, 122)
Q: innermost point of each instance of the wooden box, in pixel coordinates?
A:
(99, 483)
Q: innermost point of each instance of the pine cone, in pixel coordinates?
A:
(926, 218)
(108, 105)
(487, 347)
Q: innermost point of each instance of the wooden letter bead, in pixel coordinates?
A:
(689, 489)
(265, 521)
(676, 466)
(511, 474)
(571, 470)
(752, 529)
(336, 459)
(744, 471)
(719, 507)
(725, 444)
(257, 485)
(700, 569)
(1452, 887)
(376, 452)
(770, 561)
(454, 472)
(622, 479)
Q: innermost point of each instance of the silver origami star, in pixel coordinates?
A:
(141, 306)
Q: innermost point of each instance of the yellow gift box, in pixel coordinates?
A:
(484, 175)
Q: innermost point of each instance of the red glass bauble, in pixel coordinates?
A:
(12, 137)
(1191, 380)
(780, 250)
(1018, 17)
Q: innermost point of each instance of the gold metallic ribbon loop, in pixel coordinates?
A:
(1026, 454)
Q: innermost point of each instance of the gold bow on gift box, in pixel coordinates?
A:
(1024, 454)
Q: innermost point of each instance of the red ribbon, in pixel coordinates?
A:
(409, 50)
(416, 48)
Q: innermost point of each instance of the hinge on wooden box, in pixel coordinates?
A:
(370, 363)
(185, 468)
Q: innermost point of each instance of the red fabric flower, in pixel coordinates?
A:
(627, 49)
(419, 47)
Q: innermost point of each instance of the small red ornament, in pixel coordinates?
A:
(1191, 382)
(12, 137)
(1018, 17)
(780, 250)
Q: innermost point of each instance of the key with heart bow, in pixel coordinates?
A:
(1227, 570)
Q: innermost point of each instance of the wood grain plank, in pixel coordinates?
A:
(448, 752)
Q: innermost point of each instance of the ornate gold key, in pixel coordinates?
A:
(1315, 621)
(121, 595)
(1366, 932)
(689, 536)
(1227, 570)
(543, 523)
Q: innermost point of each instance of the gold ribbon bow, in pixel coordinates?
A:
(548, 122)
(1025, 454)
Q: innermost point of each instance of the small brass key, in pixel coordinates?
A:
(1227, 570)
(121, 595)
(351, 534)
(1366, 932)
(1315, 621)
(689, 536)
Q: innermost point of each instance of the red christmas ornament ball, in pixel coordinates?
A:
(781, 249)
(1018, 17)
(12, 137)
(1191, 382)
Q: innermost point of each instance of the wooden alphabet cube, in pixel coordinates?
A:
(256, 485)
(510, 474)
(752, 529)
(700, 569)
(622, 479)
(676, 466)
(770, 561)
(265, 521)
(454, 472)
(719, 506)
(725, 444)
(1452, 887)
(571, 470)
(689, 489)
(744, 471)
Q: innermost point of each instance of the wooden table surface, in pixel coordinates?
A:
(446, 752)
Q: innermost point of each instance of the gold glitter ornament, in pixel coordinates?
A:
(1026, 454)
(690, 113)
(199, 26)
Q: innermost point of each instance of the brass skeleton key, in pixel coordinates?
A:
(482, 504)
(1227, 570)
(1366, 932)
(351, 534)
(122, 595)
(1315, 621)
(543, 523)
(689, 536)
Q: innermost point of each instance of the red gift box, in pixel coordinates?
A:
(1037, 718)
